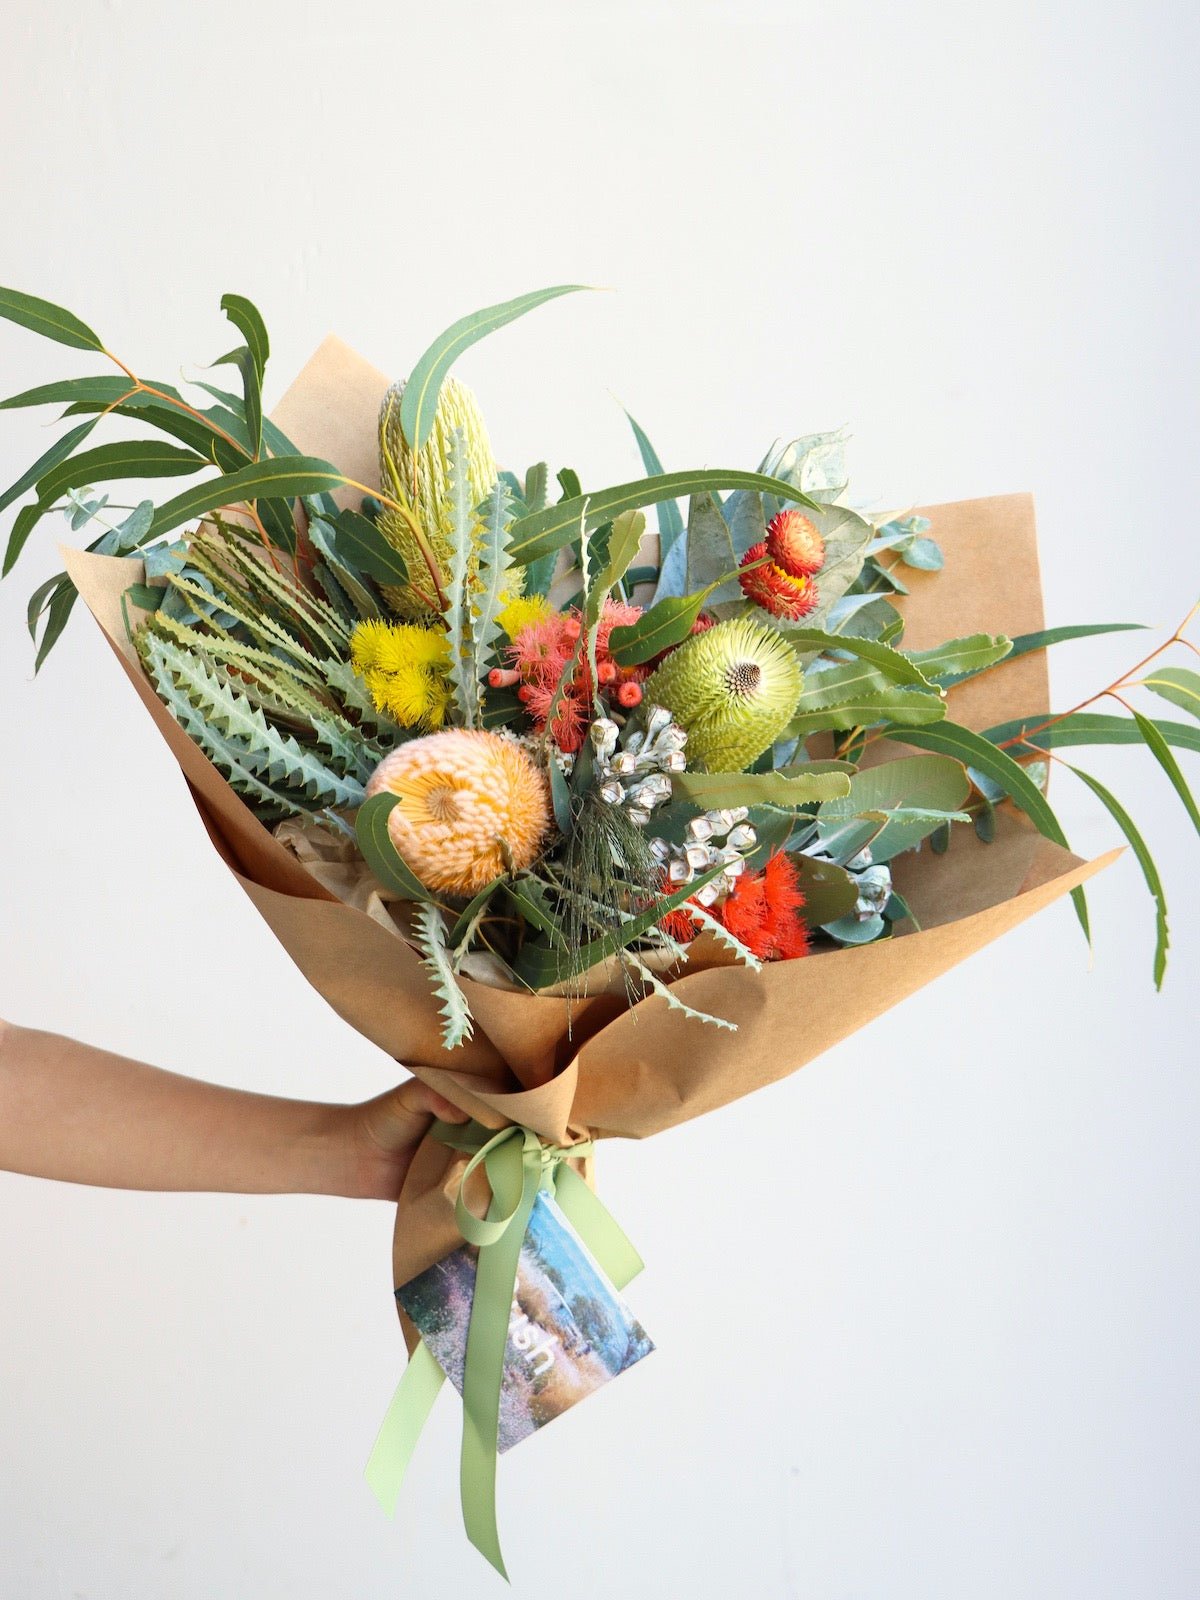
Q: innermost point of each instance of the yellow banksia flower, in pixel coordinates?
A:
(519, 613)
(422, 479)
(405, 669)
(471, 806)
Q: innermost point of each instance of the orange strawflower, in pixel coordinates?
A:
(794, 544)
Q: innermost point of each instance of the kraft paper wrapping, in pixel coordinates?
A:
(596, 1064)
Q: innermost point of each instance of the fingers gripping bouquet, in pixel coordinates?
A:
(595, 828)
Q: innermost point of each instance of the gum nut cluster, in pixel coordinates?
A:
(470, 804)
(779, 572)
(734, 689)
(637, 777)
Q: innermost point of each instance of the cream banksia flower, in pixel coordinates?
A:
(422, 480)
(472, 804)
(733, 688)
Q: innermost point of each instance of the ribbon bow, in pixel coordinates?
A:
(518, 1163)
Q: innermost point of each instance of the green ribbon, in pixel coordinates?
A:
(518, 1163)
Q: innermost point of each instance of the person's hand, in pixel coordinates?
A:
(386, 1131)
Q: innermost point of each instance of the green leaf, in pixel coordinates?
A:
(857, 694)
(543, 532)
(528, 898)
(560, 797)
(1161, 752)
(830, 892)
(1179, 685)
(102, 391)
(418, 406)
(959, 658)
(58, 614)
(287, 476)
(894, 806)
(243, 359)
(896, 668)
(539, 966)
(362, 544)
(24, 523)
(623, 545)
(1145, 860)
(470, 917)
(1087, 728)
(51, 321)
(249, 323)
(670, 523)
(846, 537)
(380, 854)
(977, 750)
(128, 458)
(797, 786)
(711, 559)
(666, 623)
(1024, 643)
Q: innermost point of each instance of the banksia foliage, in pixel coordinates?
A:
(472, 806)
(422, 480)
(778, 572)
(734, 688)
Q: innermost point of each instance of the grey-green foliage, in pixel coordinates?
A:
(430, 933)
(258, 676)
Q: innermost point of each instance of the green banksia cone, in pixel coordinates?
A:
(734, 688)
(423, 481)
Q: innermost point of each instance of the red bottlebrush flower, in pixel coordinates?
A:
(763, 911)
(794, 544)
(775, 590)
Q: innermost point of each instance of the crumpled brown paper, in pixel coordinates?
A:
(596, 1063)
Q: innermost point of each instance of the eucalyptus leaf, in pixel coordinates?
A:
(418, 405)
(1179, 685)
(542, 532)
(1145, 861)
(1087, 728)
(247, 319)
(51, 321)
(385, 861)
(899, 803)
(670, 523)
(711, 558)
(667, 622)
(977, 750)
(289, 476)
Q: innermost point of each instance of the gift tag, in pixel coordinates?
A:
(569, 1330)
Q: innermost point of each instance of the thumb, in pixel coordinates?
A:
(402, 1116)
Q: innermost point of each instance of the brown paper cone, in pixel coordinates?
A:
(598, 1064)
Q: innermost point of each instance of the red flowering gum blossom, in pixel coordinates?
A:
(763, 911)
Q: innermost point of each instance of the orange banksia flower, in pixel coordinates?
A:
(763, 910)
(471, 805)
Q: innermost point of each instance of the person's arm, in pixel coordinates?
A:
(83, 1115)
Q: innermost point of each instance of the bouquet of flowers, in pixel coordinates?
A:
(593, 826)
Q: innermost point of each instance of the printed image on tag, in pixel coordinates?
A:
(569, 1331)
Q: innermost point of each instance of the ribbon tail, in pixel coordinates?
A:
(595, 1225)
(514, 1189)
(406, 1417)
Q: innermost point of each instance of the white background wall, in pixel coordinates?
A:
(938, 1338)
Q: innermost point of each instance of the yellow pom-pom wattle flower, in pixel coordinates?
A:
(405, 669)
(471, 804)
(522, 611)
